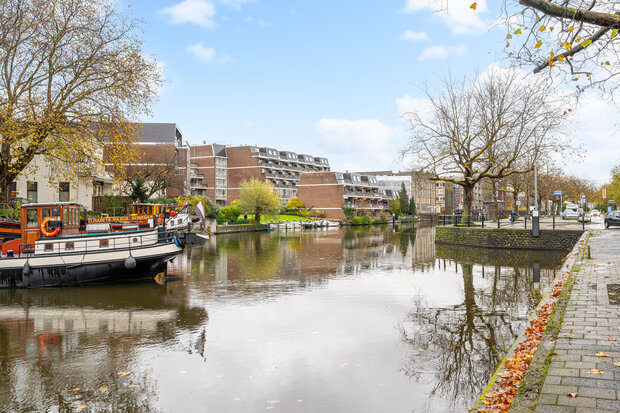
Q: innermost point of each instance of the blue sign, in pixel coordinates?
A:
(558, 192)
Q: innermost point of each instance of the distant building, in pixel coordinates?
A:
(330, 191)
(280, 168)
(160, 145)
(418, 186)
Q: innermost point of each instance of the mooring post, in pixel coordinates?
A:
(554, 222)
(482, 219)
(526, 222)
(498, 222)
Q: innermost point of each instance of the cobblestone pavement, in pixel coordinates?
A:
(591, 326)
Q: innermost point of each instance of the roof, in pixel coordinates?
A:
(159, 133)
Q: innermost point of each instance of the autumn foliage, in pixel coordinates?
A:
(499, 401)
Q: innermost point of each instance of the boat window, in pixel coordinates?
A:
(48, 247)
(56, 213)
(104, 243)
(69, 246)
(32, 218)
(66, 213)
(45, 213)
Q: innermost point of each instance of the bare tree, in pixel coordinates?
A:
(158, 172)
(72, 74)
(484, 129)
(575, 38)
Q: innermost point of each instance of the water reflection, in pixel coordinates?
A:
(355, 319)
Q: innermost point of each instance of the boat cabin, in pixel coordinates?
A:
(49, 220)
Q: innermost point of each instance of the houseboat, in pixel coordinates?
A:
(54, 251)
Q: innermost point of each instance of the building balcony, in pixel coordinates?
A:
(198, 186)
(196, 176)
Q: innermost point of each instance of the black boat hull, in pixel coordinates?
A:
(83, 274)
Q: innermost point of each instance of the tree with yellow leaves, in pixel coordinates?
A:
(577, 39)
(72, 76)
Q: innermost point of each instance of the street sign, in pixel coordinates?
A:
(604, 193)
(558, 192)
(610, 201)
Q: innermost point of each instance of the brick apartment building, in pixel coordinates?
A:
(219, 170)
(160, 147)
(330, 191)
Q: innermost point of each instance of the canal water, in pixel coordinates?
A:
(338, 320)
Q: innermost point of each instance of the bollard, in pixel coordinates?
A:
(526, 222)
(589, 257)
(469, 220)
(583, 223)
(498, 222)
(482, 221)
(554, 222)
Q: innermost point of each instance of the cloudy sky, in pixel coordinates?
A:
(330, 78)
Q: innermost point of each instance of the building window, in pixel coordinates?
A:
(63, 192)
(69, 246)
(32, 191)
(14, 187)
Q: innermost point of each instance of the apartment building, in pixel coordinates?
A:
(330, 191)
(42, 181)
(219, 170)
(161, 153)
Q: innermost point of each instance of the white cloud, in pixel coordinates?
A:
(456, 14)
(414, 36)
(200, 12)
(363, 144)
(235, 4)
(442, 52)
(207, 54)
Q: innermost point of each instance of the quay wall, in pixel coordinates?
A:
(507, 238)
(228, 229)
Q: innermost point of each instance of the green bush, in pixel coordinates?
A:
(360, 221)
(304, 214)
(242, 221)
(407, 220)
(114, 204)
(295, 203)
(380, 220)
(348, 212)
(230, 214)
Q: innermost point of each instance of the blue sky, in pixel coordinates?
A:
(327, 78)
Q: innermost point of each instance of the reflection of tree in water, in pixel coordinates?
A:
(463, 344)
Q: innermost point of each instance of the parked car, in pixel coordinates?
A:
(570, 214)
(596, 213)
(612, 218)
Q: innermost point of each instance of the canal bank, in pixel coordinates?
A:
(577, 365)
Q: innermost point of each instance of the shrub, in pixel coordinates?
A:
(321, 213)
(164, 200)
(295, 203)
(304, 214)
(230, 213)
(407, 219)
(348, 211)
(360, 221)
(380, 220)
(242, 221)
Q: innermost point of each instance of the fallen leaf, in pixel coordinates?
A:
(616, 364)
(81, 406)
(103, 388)
(601, 354)
(596, 371)
(611, 339)
(572, 394)
(238, 398)
(76, 389)
(273, 401)
(419, 349)
(123, 373)
(133, 385)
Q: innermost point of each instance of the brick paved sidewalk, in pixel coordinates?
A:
(590, 326)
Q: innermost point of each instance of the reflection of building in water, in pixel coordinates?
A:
(85, 320)
(423, 251)
(320, 255)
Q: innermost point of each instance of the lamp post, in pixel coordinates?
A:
(535, 218)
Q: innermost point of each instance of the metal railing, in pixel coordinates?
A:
(525, 221)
